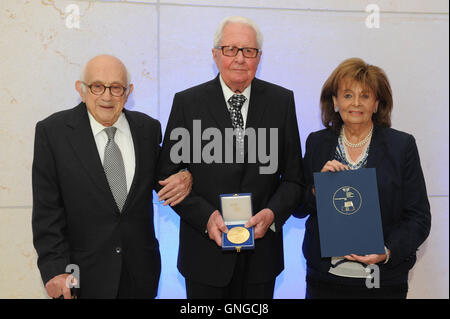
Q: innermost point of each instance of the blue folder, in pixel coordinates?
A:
(348, 213)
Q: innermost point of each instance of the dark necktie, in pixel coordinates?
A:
(115, 169)
(236, 102)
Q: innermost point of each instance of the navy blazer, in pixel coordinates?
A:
(405, 210)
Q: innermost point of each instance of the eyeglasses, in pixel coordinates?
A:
(233, 51)
(98, 88)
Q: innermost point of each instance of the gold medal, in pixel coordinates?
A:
(238, 235)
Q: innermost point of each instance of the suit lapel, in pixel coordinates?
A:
(83, 143)
(139, 138)
(216, 105)
(377, 149)
(326, 150)
(257, 105)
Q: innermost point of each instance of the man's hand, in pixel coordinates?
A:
(216, 227)
(261, 221)
(334, 166)
(176, 188)
(58, 286)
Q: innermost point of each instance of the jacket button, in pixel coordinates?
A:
(118, 250)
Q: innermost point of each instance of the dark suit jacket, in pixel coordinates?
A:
(271, 106)
(75, 218)
(405, 211)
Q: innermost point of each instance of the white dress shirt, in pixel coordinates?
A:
(122, 138)
(227, 93)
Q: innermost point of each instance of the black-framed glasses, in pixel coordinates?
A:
(98, 88)
(232, 51)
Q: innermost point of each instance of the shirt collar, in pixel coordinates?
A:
(227, 93)
(121, 124)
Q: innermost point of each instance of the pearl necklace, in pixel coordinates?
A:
(361, 143)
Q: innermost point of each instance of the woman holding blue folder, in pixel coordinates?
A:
(356, 105)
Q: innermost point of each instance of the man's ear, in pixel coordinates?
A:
(79, 88)
(127, 94)
(214, 54)
(130, 89)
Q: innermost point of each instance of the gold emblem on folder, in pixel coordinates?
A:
(238, 235)
(347, 200)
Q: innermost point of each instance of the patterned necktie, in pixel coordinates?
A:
(115, 169)
(236, 102)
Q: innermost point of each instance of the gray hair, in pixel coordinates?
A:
(83, 76)
(238, 19)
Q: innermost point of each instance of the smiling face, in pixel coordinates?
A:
(356, 104)
(106, 70)
(237, 72)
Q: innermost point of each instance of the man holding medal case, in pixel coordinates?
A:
(235, 99)
(236, 211)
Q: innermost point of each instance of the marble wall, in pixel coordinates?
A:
(166, 45)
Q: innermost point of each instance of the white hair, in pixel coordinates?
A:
(83, 75)
(238, 19)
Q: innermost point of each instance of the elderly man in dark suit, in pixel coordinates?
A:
(235, 99)
(93, 176)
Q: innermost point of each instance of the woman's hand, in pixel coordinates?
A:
(331, 166)
(334, 166)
